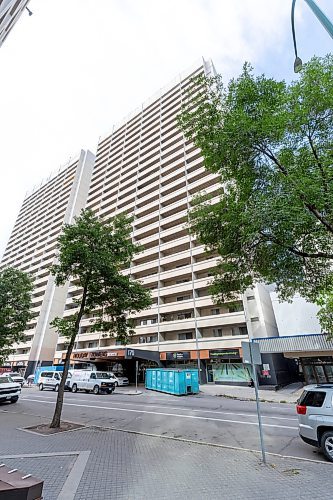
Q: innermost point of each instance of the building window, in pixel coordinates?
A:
(217, 332)
(215, 311)
(183, 297)
(235, 307)
(185, 336)
(91, 345)
(239, 330)
(185, 315)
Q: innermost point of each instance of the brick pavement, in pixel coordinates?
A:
(129, 466)
(53, 470)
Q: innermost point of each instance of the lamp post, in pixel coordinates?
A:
(323, 19)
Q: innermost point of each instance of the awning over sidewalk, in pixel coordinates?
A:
(295, 343)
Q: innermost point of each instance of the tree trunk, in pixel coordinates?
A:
(60, 397)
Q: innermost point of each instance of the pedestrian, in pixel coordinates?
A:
(251, 383)
(30, 380)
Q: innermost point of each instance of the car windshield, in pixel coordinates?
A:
(102, 375)
(5, 380)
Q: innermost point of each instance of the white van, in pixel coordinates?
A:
(49, 380)
(86, 380)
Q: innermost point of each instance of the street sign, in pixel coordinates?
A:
(252, 356)
(251, 353)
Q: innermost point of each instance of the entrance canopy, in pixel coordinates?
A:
(295, 344)
(117, 355)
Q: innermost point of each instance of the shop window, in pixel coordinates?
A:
(185, 336)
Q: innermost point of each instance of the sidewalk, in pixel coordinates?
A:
(288, 394)
(103, 464)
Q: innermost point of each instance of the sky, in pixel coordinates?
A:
(76, 67)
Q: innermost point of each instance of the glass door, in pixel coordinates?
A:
(320, 374)
(329, 372)
(210, 377)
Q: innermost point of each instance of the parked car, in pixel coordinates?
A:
(119, 380)
(14, 376)
(315, 417)
(9, 389)
(91, 381)
(49, 380)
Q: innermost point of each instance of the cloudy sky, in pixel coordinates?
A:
(75, 67)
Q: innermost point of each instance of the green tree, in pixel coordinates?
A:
(15, 308)
(271, 144)
(93, 253)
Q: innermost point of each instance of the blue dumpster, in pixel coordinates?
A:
(172, 381)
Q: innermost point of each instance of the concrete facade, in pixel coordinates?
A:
(32, 247)
(10, 11)
(147, 169)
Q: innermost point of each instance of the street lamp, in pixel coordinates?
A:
(323, 19)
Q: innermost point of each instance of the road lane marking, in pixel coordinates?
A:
(251, 415)
(164, 414)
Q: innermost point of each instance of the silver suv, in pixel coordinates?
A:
(315, 417)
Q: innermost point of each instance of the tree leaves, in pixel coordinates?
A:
(93, 252)
(15, 305)
(271, 144)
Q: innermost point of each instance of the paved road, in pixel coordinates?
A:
(201, 418)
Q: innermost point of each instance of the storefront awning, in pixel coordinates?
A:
(295, 343)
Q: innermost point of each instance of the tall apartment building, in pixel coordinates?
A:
(147, 169)
(10, 11)
(32, 247)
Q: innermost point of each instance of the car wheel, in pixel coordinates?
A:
(41, 387)
(14, 399)
(56, 388)
(96, 389)
(86, 391)
(74, 388)
(327, 445)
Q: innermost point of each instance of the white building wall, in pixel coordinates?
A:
(32, 248)
(298, 317)
(147, 169)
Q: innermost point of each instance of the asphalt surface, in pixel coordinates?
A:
(202, 418)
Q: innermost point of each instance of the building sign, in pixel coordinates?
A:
(92, 354)
(177, 355)
(129, 353)
(224, 354)
(79, 355)
(112, 353)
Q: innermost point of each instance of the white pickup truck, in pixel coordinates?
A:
(9, 390)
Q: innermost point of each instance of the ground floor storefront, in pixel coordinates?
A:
(316, 370)
(216, 366)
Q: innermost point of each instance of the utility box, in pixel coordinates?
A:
(172, 381)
